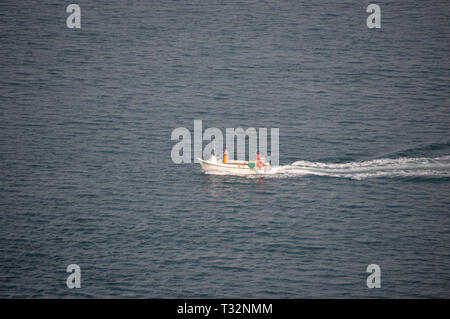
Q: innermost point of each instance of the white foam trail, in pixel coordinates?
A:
(387, 167)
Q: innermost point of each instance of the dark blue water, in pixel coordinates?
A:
(86, 175)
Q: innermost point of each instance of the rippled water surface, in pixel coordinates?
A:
(86, 175)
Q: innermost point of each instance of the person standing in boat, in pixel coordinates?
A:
(225, 155)
(213, 155)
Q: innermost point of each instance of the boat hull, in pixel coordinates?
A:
(231, 169)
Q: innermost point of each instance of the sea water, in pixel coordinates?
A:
(86, 175)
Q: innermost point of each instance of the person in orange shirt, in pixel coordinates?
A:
(225, 155)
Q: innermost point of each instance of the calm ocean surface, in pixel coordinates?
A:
(86, 175)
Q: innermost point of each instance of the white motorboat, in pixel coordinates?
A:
(213, 166)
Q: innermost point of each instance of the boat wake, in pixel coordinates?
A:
(438, 167)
